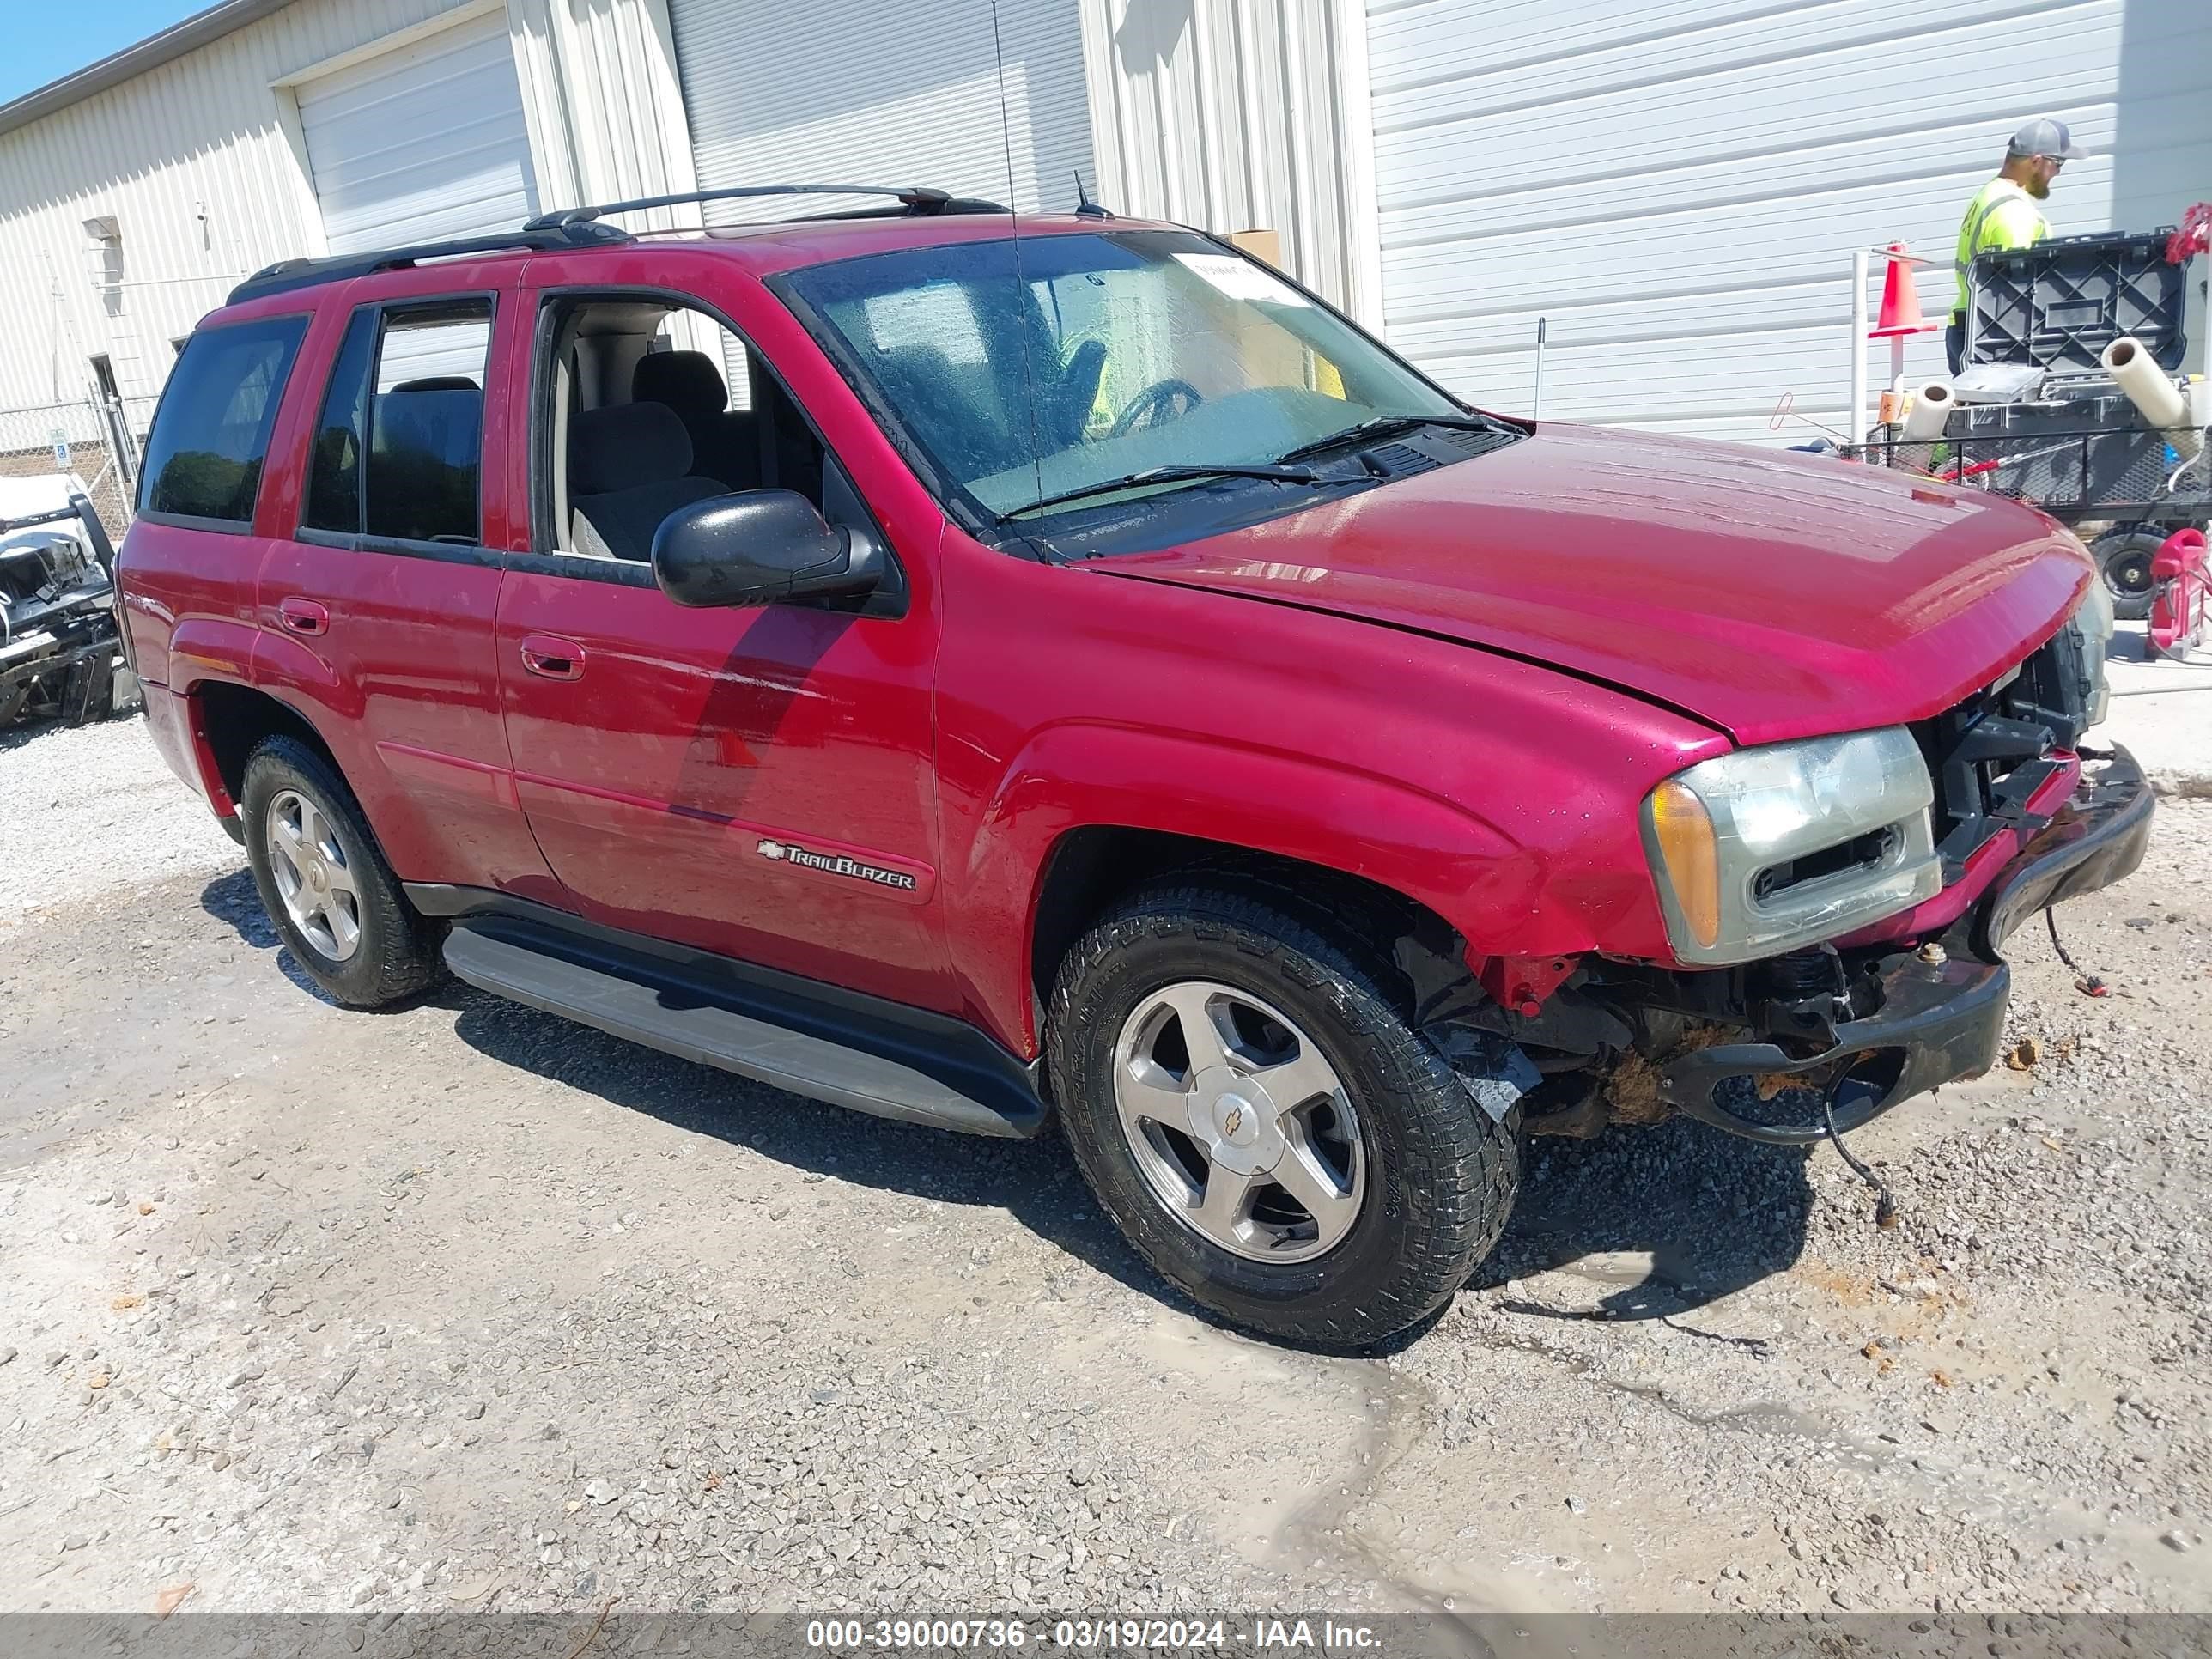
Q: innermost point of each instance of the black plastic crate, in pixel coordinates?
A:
(2060, 303)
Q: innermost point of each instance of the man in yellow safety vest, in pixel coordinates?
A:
(2003, 213)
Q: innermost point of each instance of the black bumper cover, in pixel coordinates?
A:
(1939, 1021)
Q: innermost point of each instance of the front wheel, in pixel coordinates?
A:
(1254, 1110)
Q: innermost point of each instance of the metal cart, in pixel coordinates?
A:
(2079, 450)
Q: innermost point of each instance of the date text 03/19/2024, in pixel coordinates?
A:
(1253, 1635)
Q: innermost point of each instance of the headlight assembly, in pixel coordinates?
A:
(1768, 848)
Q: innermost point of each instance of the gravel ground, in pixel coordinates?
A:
(463, 1308)
(94, 811)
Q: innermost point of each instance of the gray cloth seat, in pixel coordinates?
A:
(630, 467)
(725, 442)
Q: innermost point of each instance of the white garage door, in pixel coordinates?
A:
(885, 92)
(1677, 187)
(422, 143)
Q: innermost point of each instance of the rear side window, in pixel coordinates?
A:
(399, 447)
(203, 457)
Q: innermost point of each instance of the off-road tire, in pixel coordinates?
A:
(397, 954)
(1442, 1173)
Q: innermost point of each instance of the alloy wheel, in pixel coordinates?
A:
(1242, 1128)
(313, 877)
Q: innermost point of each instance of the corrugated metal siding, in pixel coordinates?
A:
(422, 143)
(885, 92)
(201, 131)
(1679, 187)
(1232, 115)
(601, 90)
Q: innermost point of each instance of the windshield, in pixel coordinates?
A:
(1041, 367)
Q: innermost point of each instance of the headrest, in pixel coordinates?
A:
(687, 381)
(438, 383)
(447, 424)
(626, 445)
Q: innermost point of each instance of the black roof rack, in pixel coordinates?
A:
(955, 205)
(918, 199)
(580, 227)
(535, 237)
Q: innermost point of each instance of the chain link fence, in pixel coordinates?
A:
(96, 439)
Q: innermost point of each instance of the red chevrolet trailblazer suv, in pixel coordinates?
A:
(958, 667)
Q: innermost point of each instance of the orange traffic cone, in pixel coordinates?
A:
(1900, 303)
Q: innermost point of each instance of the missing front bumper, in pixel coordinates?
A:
(1936, 1021)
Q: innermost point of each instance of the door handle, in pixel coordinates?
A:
(303, 615)
(552, 659)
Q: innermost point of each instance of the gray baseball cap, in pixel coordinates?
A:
(2044, 137)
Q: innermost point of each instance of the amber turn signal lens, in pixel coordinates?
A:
(1684, 830)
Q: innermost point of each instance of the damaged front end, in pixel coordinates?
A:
(1810, 1043)
(1884, 1028)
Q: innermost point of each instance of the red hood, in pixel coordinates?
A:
(1772, 595)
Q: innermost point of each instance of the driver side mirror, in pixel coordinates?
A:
(761, 547)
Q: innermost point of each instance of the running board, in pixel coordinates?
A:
(905, 1068)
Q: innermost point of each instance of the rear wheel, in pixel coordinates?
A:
(2123, 557)
(326, 887)
(1250, 1104)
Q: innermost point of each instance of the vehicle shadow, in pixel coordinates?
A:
(28, 729)
(1660, 1221)
(44, 721)
(234, 900)
(1034, 1181)
(1714, 1212)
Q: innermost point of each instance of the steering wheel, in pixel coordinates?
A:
(1157, 404)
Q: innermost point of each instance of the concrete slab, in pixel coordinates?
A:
(2162, 711)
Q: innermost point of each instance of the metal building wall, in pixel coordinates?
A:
(423, 143)
(201, 133)
(605, 103)
(1238, 115)
(212, 128)
(1677, 186)
(978, 99)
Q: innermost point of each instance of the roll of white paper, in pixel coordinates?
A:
(1931, 409)
(2151, 391)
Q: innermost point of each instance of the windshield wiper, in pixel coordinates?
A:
(1376, 426)
(1276, 471)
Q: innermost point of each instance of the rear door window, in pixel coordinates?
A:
(399, 445)
(205, 455)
